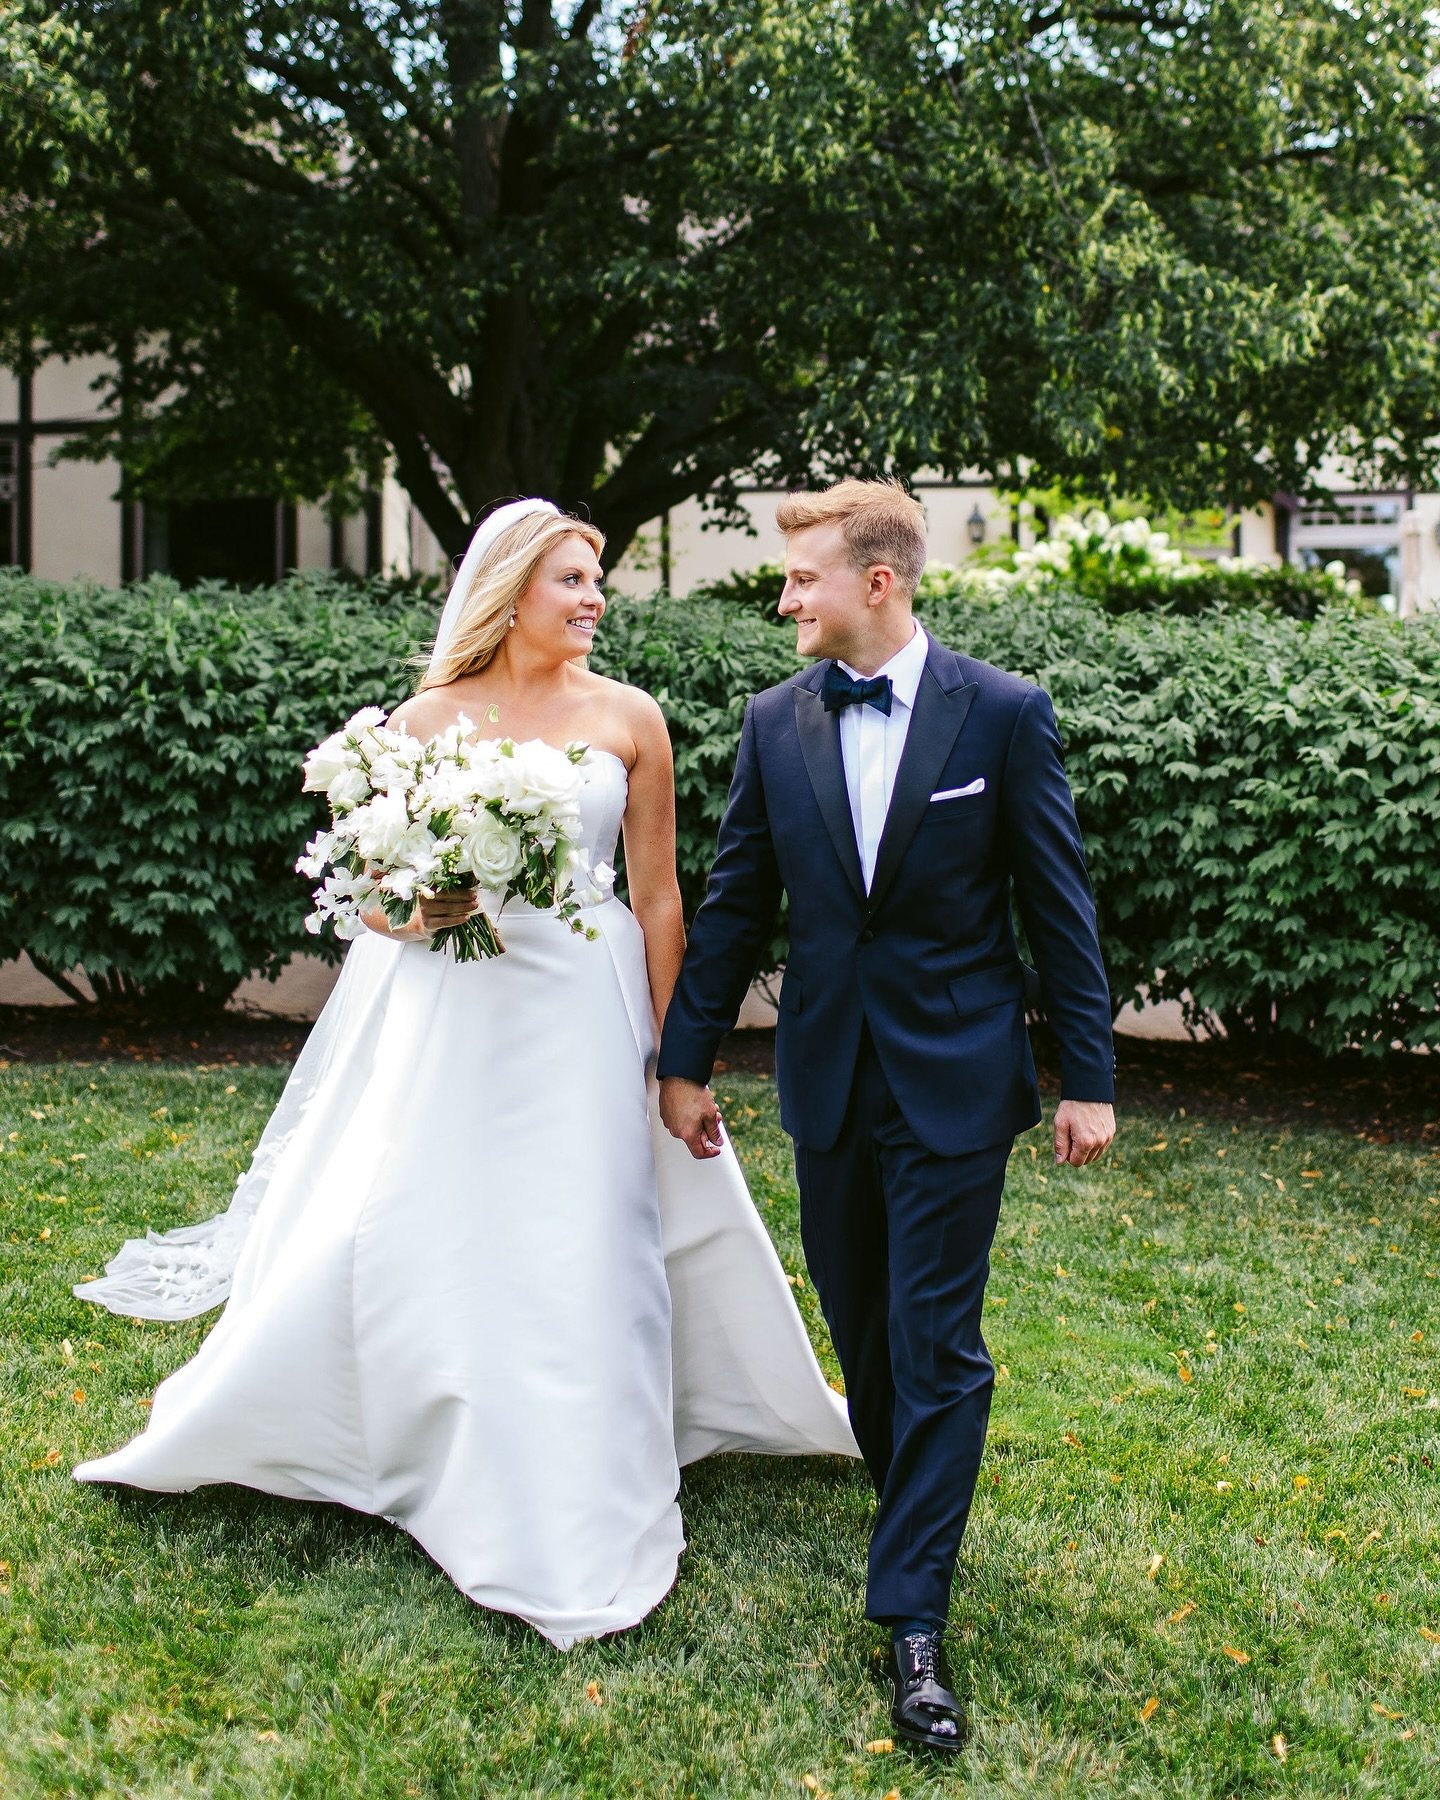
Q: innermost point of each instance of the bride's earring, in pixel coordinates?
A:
(512, 618)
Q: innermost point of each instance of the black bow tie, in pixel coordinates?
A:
(840, 689)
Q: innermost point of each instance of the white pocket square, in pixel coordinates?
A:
(977, 786)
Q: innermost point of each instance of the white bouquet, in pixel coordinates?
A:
(411, 818)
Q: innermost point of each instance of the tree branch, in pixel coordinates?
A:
(582, 19)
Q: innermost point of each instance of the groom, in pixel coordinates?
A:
(899, 793)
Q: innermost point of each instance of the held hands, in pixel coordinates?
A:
(1083, 1130)
(437, 911)
(690, 1114)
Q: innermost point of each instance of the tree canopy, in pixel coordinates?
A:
(625, 254)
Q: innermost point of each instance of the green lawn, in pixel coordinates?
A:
(1203, 1560)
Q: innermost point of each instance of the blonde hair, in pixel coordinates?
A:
(882, 524)
(505, 571)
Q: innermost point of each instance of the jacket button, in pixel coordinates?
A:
(867, 936)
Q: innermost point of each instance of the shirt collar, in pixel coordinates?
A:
(904, 668)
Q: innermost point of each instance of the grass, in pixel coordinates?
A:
(1206, 1532)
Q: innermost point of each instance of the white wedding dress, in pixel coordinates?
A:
(473, 1284)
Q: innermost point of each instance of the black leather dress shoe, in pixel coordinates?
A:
(924, 1710)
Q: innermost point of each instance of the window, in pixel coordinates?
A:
(1347, 510)
(9, 501)
(237, 541)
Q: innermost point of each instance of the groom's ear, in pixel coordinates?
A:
(882, 584)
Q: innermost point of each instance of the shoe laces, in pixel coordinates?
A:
(924, 1650)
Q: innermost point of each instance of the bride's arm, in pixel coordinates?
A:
(650, 850)
(419, 716)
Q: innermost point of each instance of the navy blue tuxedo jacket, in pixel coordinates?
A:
(927, 959)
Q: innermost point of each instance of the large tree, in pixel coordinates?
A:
(625, 254)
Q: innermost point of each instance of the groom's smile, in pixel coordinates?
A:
(840, 609)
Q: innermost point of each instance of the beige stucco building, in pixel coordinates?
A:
(63, 519)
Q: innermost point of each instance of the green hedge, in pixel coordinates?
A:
(150, 803)
(1298, 593)
(1260, 795)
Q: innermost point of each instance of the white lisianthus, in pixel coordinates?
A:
(327, 762)
(348, 789)
(602, 883)
(409, 817)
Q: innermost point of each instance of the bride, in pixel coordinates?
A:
(473, 1285)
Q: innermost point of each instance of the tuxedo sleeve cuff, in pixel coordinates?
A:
(667, 1066)
(1091, 1084)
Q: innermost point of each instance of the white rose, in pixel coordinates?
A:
(548, 774)
(490, 852)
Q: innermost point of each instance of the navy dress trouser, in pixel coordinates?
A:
(897, 1241)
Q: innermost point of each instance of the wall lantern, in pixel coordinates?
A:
(975, 525)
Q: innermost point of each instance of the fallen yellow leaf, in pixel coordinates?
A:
(1155, 1564)
(1413, 1393)
(1064, 1274)
(1161, 1145)
(1073, 1441)
(880, 1746)
(1417, 1337)
(1149, 1709)
(1311, 1174)
(78, 1396)
(1302, 1481)
(1186, 1374)
(1430, 1636)
(1234, 1654)
(1385, 1712)
(1279, 1746)
(593, 1694)
(51, 1458)
(267, 1737)
(1181, 1613)
(67, 1349)
(1223, 1487)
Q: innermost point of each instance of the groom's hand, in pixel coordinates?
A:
(1083, 1130)
(690, 1114)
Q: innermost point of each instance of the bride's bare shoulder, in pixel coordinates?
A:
(424, 715)
(632, 704)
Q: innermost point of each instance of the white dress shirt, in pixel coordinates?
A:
(871, 744)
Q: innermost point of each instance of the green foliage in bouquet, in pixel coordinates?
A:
(150, 800)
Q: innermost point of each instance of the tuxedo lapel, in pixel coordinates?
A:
(941, 704)
(819, 733)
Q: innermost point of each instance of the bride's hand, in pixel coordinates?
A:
(438, 911)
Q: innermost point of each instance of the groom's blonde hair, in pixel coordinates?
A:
(506, 570)
(882, 524)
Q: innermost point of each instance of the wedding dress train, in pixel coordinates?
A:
(473, 1285)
